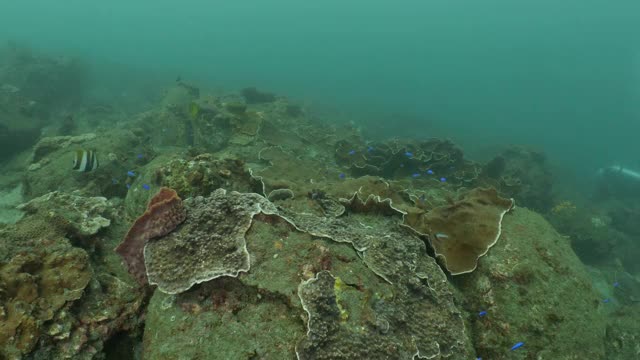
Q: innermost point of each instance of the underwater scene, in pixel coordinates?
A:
(320, 180)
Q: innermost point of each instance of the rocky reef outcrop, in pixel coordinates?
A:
(55, 300)
(245, 229)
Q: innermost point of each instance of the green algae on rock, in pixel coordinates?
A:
(535, 290)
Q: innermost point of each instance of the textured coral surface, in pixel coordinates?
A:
(164, 213)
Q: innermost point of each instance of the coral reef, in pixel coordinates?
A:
(81, 216)
(54, 302)
(164, 213)
(254, 96)
(396, 255)
(15, 140)
(203, 174)
(532, 288)
(462, 232)
(523, 174)
(415, 314)
(34, 287)
(210, 244)
(431, 159)
(622, 337)
(624, 217)
(221, 319)
(49, 83)
(296, 238)
(8, 202)
(592, 234)
(50, 166)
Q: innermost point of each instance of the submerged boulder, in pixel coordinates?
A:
(532, 288)
(365, 289)
(54, 302)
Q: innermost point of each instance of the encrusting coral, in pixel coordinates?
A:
(462, 232)
(34, 287)
(210, 243)
(164, 213)
(348, 321)
(81, 216)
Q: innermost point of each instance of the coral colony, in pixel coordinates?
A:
(245, 216)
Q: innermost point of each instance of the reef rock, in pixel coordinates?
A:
(56, 82)
(34, 287)
(55, 303)
(534, 290)
(52, 161)
(8, 201)
(14, 140)
(203, 174)
(80, 216)
(389, 300)
(523, 174)
(255, 96)
(432, 159)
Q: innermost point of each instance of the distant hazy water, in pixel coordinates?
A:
(560, 75)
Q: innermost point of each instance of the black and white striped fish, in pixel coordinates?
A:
(85, 161)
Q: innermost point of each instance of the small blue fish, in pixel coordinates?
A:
(517, 345)
(139, 156)
(370, 149)
(606, 300)
(430, 172)
(442, 236)
(408, 154)
(482, 313)
(131, 173)
(146, 186)
(352, 152)
(128, 186)
(415, 175)
(443, 179)
(342, 175)
(616, 284)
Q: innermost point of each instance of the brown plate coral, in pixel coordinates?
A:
(462, 232)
